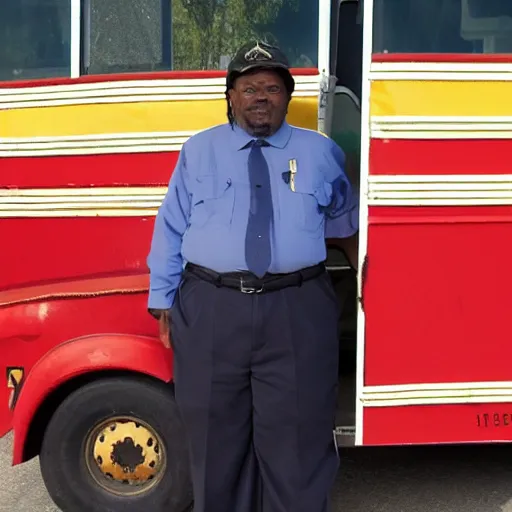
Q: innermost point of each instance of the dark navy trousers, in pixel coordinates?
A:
(256, 383)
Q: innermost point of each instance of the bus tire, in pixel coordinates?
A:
(117, 444)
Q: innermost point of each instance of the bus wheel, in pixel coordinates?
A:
(117, 444)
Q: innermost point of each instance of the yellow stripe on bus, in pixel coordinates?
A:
(440, 98)
(164, 116)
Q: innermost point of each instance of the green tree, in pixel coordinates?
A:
(206, 30)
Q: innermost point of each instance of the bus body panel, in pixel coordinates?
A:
(39, 321)
(438, 424)
(436, 288)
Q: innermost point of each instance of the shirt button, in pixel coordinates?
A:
(259, 236)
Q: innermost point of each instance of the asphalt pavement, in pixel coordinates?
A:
(425, 479)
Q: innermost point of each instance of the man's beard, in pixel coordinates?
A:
(265, 129)
(260, 130)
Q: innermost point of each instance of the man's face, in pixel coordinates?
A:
(260, 102)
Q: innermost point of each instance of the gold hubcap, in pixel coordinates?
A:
(125, 456)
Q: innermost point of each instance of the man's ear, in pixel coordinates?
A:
(231, 99)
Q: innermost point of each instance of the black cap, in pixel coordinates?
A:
(259, 55)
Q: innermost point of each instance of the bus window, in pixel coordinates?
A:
(150, 35)
(488, 23)
(125, 35)
(443, 26)
(35, 39)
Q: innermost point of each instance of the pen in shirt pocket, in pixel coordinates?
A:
(293, 171)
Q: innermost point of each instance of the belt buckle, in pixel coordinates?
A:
(249, 289)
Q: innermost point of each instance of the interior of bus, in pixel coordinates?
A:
(346, 33)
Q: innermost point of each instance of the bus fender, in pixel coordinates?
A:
(77, 357)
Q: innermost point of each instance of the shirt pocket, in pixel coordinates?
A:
(312, 197)
(213, 199)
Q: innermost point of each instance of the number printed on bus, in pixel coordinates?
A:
(496, 419)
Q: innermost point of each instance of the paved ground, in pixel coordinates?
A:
(443, 479)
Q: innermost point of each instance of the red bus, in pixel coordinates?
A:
(96, 100)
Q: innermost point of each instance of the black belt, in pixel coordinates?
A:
(246, 282)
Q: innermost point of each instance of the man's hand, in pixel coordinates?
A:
(164, 322)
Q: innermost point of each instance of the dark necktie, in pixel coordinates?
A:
(257, 239)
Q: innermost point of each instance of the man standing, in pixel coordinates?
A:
(253, 315)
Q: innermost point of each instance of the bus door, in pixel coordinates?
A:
(434, 339)
(344, 127)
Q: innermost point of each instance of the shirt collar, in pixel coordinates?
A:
(279, 140)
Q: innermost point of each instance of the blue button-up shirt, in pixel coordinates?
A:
(204, 216)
